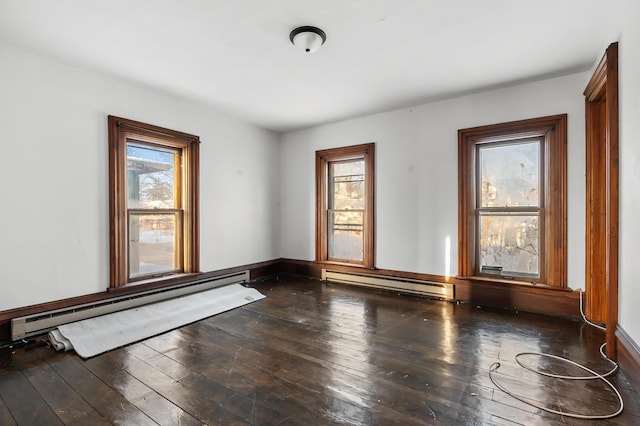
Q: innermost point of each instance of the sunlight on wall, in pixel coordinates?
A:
(447, 257)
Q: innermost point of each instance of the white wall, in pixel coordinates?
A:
(416, 172)
(54, 188)
(629, 74)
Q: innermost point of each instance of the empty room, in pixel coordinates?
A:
(298, 212)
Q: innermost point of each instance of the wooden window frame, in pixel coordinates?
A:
(553, 130)
(323, 159)
(121, 130)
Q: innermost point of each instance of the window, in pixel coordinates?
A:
(512, 210)
(344, 205)
(153, 181)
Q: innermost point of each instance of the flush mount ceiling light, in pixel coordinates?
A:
(308, 38)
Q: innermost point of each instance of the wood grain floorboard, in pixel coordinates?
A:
(142, 396)
(68, 405)
(242, 378)
(23, 401)
(110, 404)
(5, 415)
(314, 353)
(181, 393)
(348, 381)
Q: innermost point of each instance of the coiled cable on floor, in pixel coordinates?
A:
(593, 375)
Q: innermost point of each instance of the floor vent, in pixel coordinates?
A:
(40, 323)
(406, 285)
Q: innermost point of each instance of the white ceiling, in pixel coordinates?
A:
(379, 54)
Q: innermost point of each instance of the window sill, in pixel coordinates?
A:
(502, 281)
(353, 265)
(154, 283)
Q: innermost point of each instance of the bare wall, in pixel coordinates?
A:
(54, 187)
(629, 74)
(416, 173)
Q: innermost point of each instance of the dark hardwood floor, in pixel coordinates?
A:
(313, 353)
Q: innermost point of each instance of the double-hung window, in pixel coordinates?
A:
(509, 207)
(512, 211)
(153, 201)
(344, 216)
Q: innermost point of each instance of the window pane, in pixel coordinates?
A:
(509, 245)
(347, 186)
(152, 243)
(509, 175)
(346, 240)
(150, 177)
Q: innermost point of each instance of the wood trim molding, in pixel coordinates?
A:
(602, 186)
(595, 241)
(154, 131)
(553, 251)
(257, 271)
(120, 130)
(323, 158)
(628, 357)
(548, 300)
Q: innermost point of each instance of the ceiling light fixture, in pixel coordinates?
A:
(308, 38)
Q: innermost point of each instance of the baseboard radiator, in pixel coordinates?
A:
(31, 325)
(406, 285)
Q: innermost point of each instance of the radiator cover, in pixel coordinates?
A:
(31, 325)
(406, 285)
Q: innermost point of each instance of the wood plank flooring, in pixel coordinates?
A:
(313, 353)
